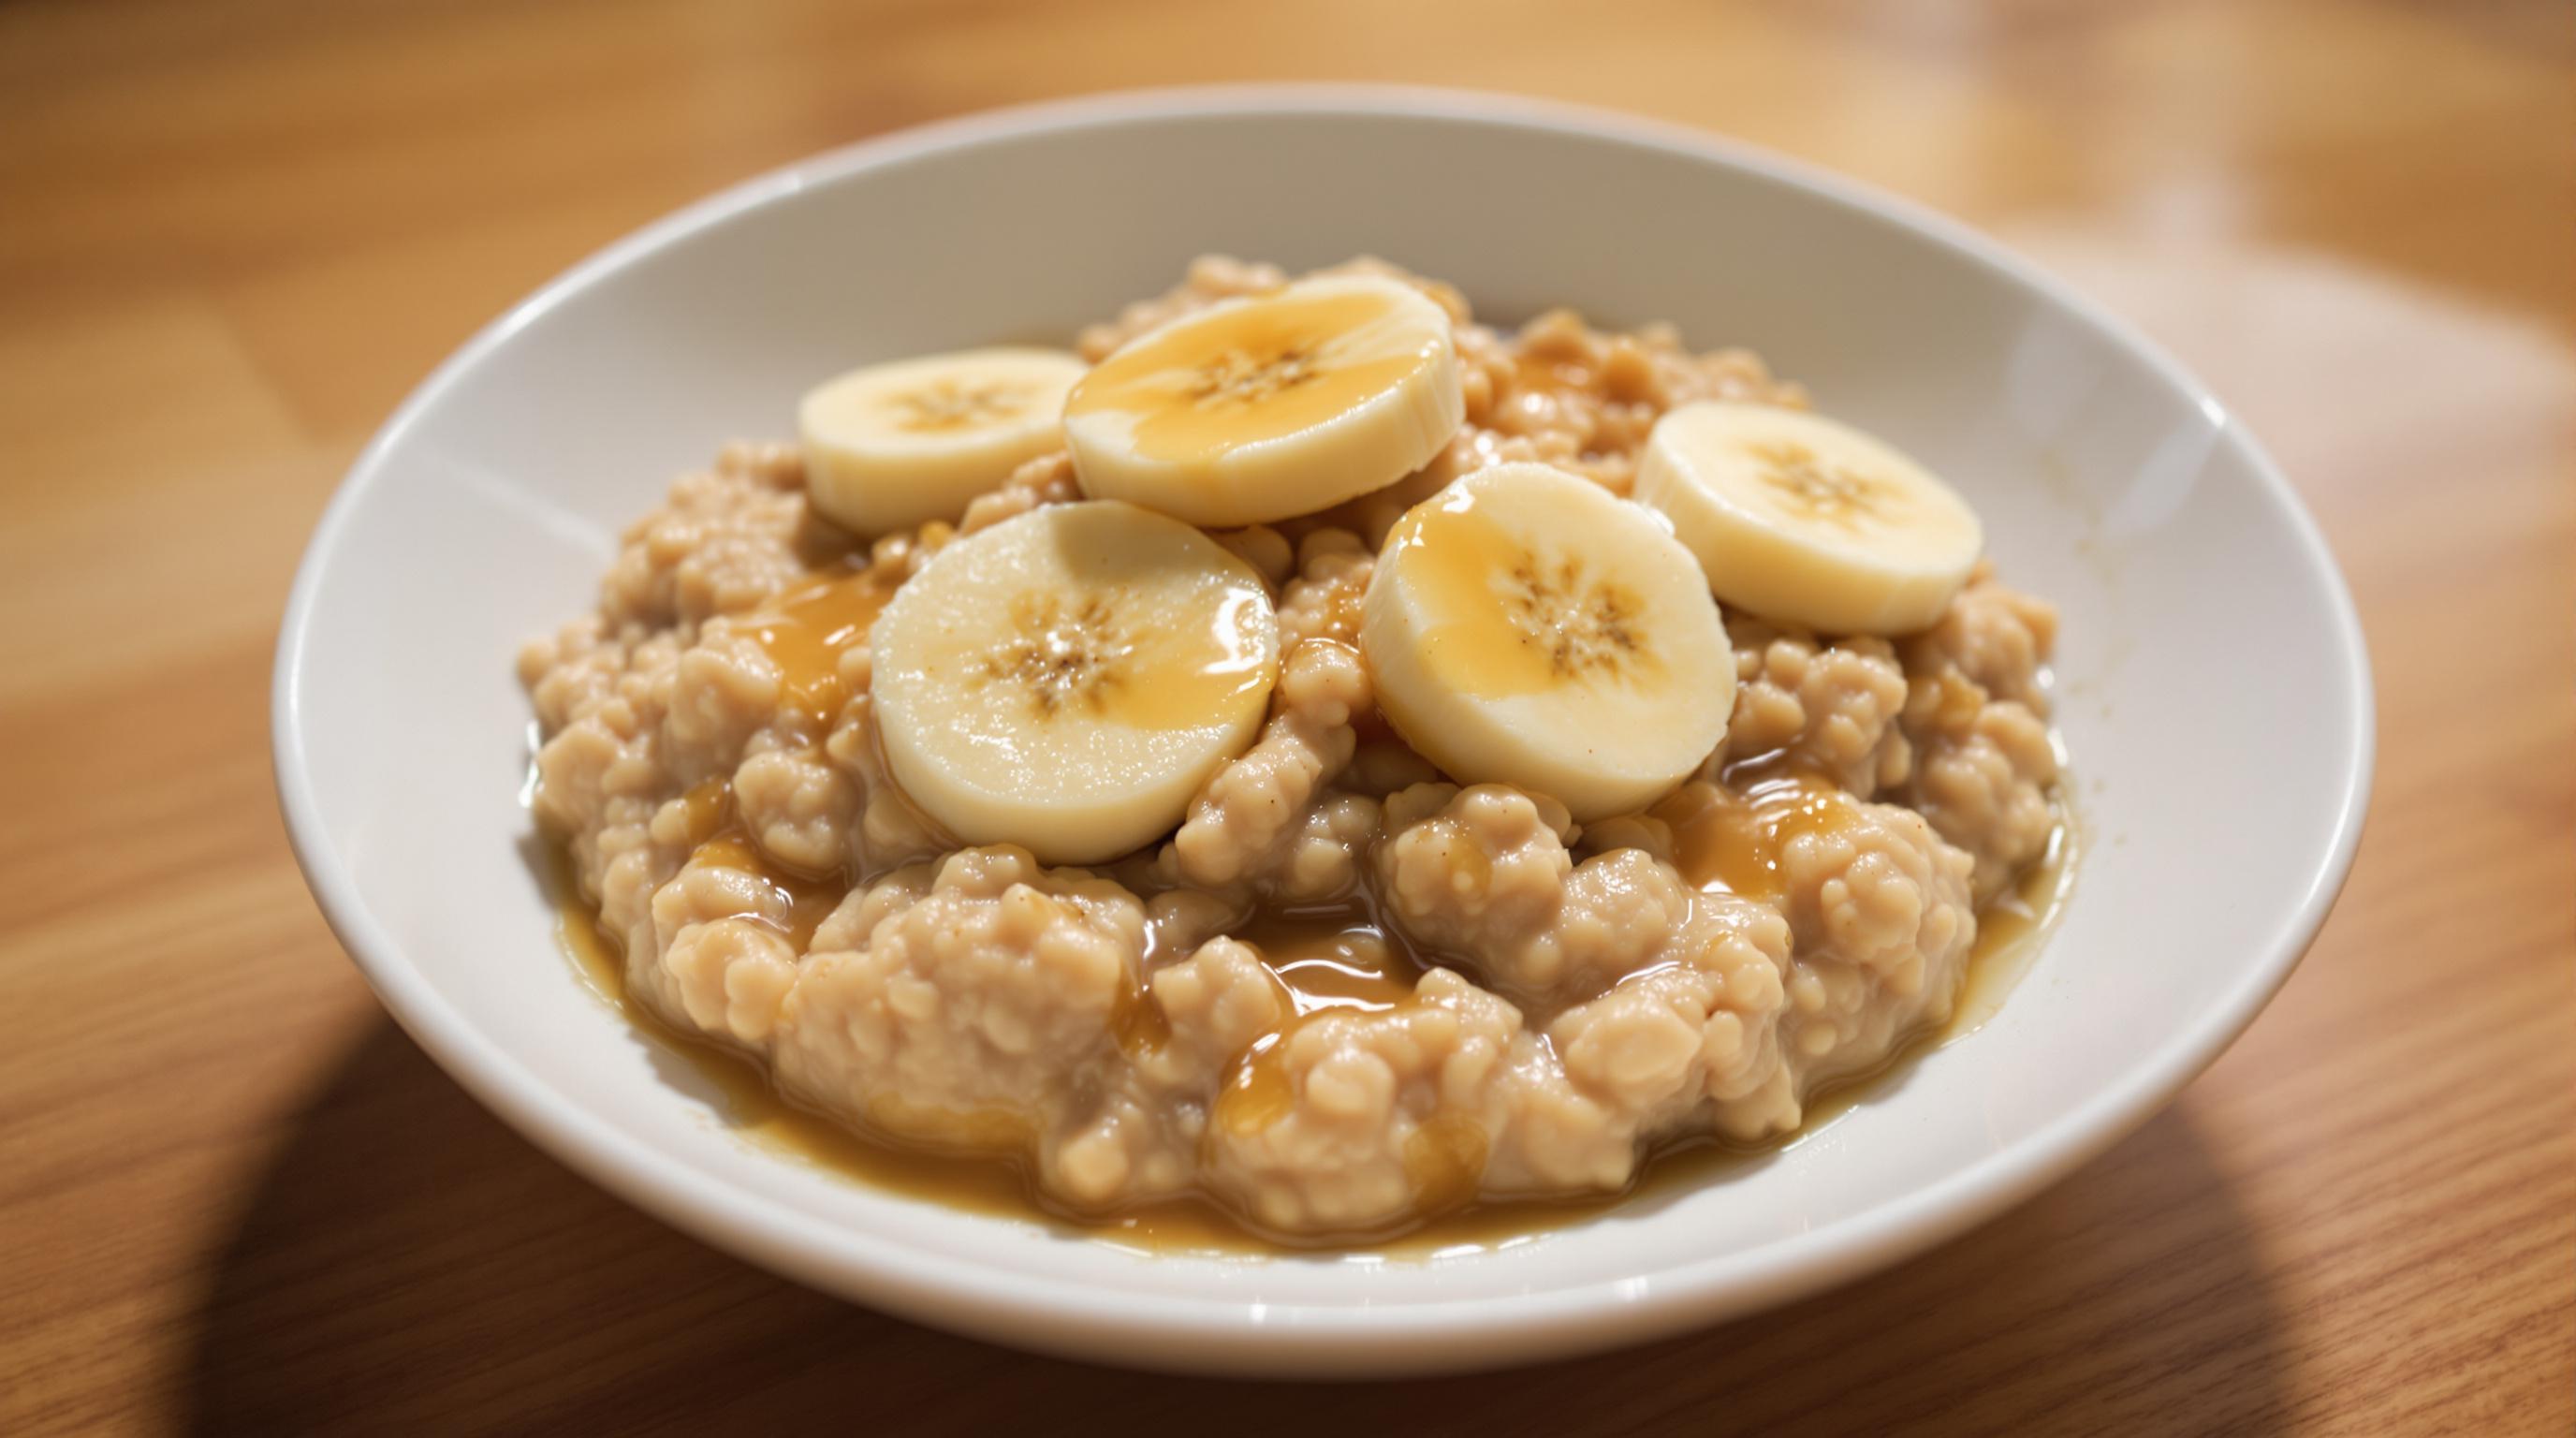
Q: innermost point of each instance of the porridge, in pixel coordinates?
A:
(1306, 753)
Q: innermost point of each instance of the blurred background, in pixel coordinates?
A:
(234, 232)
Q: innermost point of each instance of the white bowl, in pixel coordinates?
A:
(2213, 686)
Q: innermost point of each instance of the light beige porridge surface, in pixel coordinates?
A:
(1792, 916)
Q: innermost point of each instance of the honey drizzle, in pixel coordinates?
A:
(1336, 958)
(1268, 368)
(1324, 957)
(1501, 623)
(808, 901)
(713, 829)
(807, 628)
(1330, 961)
(1103, 660)
(1729, 836)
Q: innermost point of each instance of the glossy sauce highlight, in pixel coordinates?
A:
(1250, 372)
(1328, 961)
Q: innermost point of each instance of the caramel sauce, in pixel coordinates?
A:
(1140, 1025)
(809, 901)
(1549, 372)
(1231, 666)
(1504, 623)
(740, 1090)
(805, 631)
(2009, 932)
(718, 840)
(2010, 928)
(1259, 371)
(705, 810)
(1730, 836)
(1257, 1091)
(1329, 959)
(1444, 1160)
(1338, 958)
(1103, 660)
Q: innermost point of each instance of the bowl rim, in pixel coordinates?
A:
(1213, 1333)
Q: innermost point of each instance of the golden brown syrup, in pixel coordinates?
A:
(1257, 1091)
(2009, 933)
(718, 840)
(755, 1110)
(1552, 371)
(1504, 623)
(1338, 958)
(809, 901)
(1100, 658)
(805, 631)
(1442, 1161)
(1730, 836)
(707, 808)
(1329, 960)
(2011, 928)
(1265, 369)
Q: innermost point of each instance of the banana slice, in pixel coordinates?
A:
(1279, 404)
(1067, 680)
(896, 445)
(1797, 518)
(1527, 627)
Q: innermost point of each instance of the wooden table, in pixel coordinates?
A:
(234, 1197)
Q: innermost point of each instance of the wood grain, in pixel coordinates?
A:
(234, 1198)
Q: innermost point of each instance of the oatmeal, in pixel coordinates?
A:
(1359, 763)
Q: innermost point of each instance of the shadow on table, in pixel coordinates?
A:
(409, 1264)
